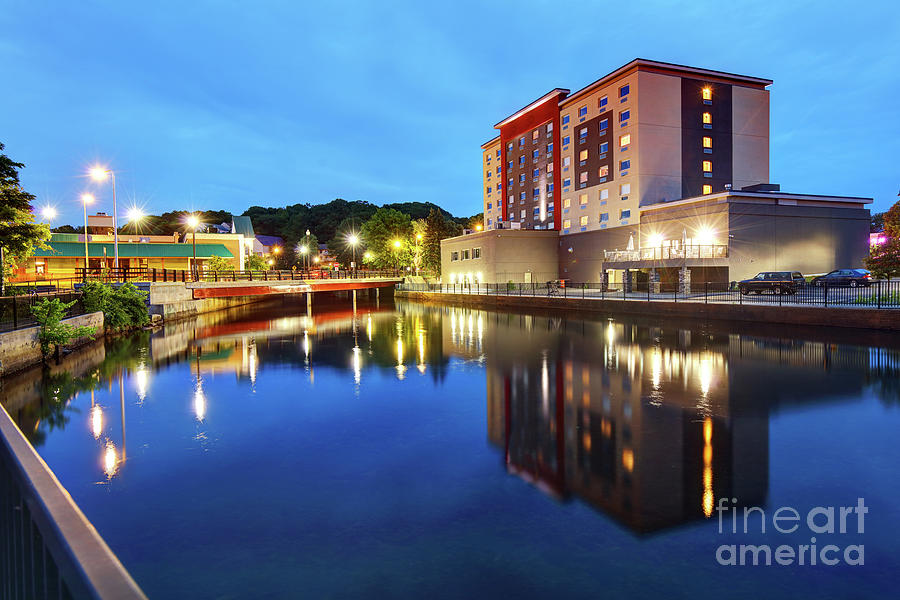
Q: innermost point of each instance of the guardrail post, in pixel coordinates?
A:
(826, 293)
(878, 295)
(706, 293)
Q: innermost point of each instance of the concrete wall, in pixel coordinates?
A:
(809, 239)
(20, 348)
(176, 301)
(506, 255)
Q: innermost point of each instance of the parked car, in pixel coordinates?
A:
(850, 277)
(777, 282)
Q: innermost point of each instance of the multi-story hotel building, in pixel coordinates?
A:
(646, 133)
(651, 168)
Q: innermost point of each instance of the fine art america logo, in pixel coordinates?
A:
(830, 521)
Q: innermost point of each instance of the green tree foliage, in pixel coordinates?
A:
(379, 233)
(255, 262)
(437, 227)
(311, 242)
(884, 259)
(218, 264)
(19, 234)
(49, 314)
(123, 307)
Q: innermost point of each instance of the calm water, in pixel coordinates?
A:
(413, 451)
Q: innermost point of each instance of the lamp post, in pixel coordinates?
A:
(303, 251)
(193, 222)
(353, 240)
(100, 174)
(85, 200)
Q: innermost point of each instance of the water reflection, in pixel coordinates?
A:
(647, 423)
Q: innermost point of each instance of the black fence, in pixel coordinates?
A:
(15, 311)
(187, 275)
(879, 294)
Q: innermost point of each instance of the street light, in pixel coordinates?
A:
(193, 222)
(49, 213)
(135, 214)
(100, 174)
(303, 250)
(353, 240)
(85, 200)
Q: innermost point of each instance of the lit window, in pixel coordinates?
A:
(550, 167)
(567, 202)
(584, 220)
(582, 111)
(624, 189)
(624, 140)
(549, 127)
(707, 118)
(582, 199)
(522, 214)
(707, 93)
(707, 166)
(582, 178)
(535, 134)
(567, 224)
(583, 133)
(604, 147)
(623, 91)
(707, 141)
(583, 155)
(565, 120)
(604, 194)
(511, 199)
(707, 189)
(604, 125)
(624, 116)
(603, 171)
(566, 161)
(601, 102)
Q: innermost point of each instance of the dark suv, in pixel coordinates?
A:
(777, 282)
(851, 277)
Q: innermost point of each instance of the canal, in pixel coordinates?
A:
(408, 450)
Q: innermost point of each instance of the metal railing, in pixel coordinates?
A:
(665, 253)
(15, 311)
(880, 294)
(188, 275)
(48, 549)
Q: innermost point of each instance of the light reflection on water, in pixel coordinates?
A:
(645, 422)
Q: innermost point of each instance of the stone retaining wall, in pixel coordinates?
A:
(859, 318)
(20, 348)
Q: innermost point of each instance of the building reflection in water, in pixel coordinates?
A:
(648, 424)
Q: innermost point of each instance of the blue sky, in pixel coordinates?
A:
(224, 105)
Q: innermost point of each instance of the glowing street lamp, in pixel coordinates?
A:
(85, 200)
(193, 222)
(99, 174)
(353, 240)
(49, 213)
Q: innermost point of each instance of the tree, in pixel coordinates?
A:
(255, 262)
(383, 233)
(436, 228)
(49, 315)
(19, 234)
(884, 259)
(218, 264)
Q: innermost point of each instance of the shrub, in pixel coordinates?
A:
(219, 264)
(122, 307)
(49, 314)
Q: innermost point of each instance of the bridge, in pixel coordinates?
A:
(228, 289)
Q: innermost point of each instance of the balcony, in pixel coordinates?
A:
(666, 253)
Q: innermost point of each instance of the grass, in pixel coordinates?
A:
(892, 298)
